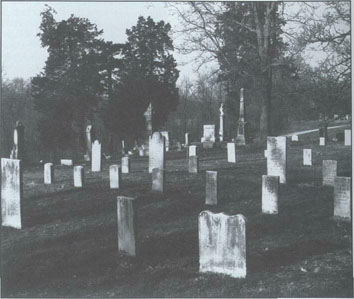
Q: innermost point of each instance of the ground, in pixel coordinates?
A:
(68, 246)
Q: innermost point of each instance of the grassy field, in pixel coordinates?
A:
(68, 246)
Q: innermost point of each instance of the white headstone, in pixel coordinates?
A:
(126, 212)
(231, 152)
(48, 173)
(222, 244)
(96, 156)
(276, 157)
(208, 133)
(322, 141)
(11, 192)
(157, 152)
(348, 137)
(192, 150)
(270, 187)
(114, 176)
(294, 138)
(211, 188)
(125, 164)
(342, 198)
(329, 172)
(186, 139)
(78, 176)
(66, 162)
(307, 156)
(167, 140)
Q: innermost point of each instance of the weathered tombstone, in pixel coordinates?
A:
(11, 192)
(208, 138)
(115, 176)
(342, 198)
(276, 157)
(96, 156)
(167, 140)
(193, 164)
(270, 187)
(17, 151)
(307, 156)
(241, 132)
(126, 212)
(78, 176)
(221, 125)
(211, 188)
(222, 244)
(158, 180)
(322, 141)
(348, 137)
(294, 138)
(231, 152)
(141, 152)
(186, 139)
(66, 162)
(88, 138)
(48, 173)
(192, 150)
(125, 164)
(179, 146)
(157, 152)
(329, 172)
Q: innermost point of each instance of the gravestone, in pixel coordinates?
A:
(231, 152)
(276, 157)
(221, 124)
(48, 173)
(158, 180)
(148, 128)
(241, 130)
(11, 192)
(78, 176)
(141, 152)
(329, 172)
(192, 150)
(322, 141)
(208, 138)
(294, 138)
(179, 146)
(270, 187)
(115, 176)
(222, 244)
(125, 164)
(307, 156)
(342, 198)
(88, 135)
(66, 162)
(17, 151)
(157, 152)
(186, 139)
(348, 137)
(96, 156)
(211, 188)
(167, 140)
(126, 213)
(193, 164)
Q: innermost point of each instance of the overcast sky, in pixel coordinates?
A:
(22, 55)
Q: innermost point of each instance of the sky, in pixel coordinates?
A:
(22, 54)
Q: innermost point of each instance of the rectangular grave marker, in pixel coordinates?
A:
(211, 188)
(115, 174)
(307, 157)
(193, 164)
(78, 176)
(329, 172)
(96, 156)
(294, 138)
(277, 157)
(192, 150)
(342, 198)
(231, 152)
(322, 141)
(158, 180)
(222, 244)
(157, 152)
(270, 188)
(11, 192)
(66, 162)
(125, 164)
(48, 173)
(348, 137)
(126, 213)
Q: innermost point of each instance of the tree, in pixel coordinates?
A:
(70, 84)
(148, 74)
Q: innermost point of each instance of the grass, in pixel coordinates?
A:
(68, 246)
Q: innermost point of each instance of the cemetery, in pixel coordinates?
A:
(129, 186)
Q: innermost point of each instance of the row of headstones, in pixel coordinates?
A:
(322, 140)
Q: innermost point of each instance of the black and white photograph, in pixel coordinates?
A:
(176, 149)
